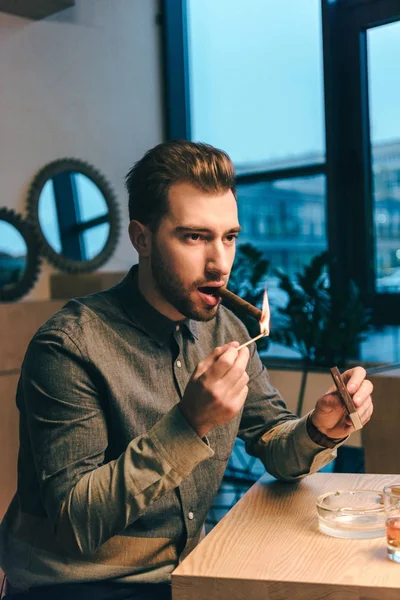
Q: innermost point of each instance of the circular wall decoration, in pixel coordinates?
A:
(75, 216)
(19, 256)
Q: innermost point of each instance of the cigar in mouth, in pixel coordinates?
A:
(237, 303)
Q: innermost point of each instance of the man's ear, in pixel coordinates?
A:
(141, 238)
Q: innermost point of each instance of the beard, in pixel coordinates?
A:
(172, 289)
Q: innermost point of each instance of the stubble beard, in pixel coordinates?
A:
(172, 289)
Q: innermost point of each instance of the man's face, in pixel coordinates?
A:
(192, 251)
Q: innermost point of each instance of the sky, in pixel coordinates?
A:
(383, 45)
(256, 77)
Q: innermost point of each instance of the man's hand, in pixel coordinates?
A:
(217, 389)
(330, 415)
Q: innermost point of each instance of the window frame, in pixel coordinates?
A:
(347, 167)
(348, 30)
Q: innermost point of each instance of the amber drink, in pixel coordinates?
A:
(391, 497)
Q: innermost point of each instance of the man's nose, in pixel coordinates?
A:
(219, 259)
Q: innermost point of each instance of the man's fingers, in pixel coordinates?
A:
(239, 386)
(354, 378)
(358, 387)
(366, 411)
(237, 370)
(363, 392)
(210, 360)
(223, 364)
(243, 358)
(230, 361)
(368, 414)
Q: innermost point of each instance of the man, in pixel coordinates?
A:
(131, 400)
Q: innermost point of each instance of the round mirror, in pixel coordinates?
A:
(74, 213)
(19, 257)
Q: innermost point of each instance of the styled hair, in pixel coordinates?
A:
(178, 161)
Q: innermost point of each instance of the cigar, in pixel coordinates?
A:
(233, 301)
(346, 398)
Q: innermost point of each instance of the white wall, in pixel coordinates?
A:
(83, 83)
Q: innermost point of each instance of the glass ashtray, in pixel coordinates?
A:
(352, 514)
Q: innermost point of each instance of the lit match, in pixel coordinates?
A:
(264, 322)
(241, 305)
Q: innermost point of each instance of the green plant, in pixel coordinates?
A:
(247, 280)
(324, 320)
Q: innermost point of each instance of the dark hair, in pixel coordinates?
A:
(177, 161)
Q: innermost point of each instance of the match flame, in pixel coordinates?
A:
(265, 315)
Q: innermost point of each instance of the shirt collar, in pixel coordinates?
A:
(147, 318)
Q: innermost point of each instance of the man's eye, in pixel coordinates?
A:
(193, 237)
(232, 237)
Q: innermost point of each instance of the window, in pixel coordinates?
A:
(255, 89)
(304, 96)
(285, 219)
(383, 45)
(256, 86)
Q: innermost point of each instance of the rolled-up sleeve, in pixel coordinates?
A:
(87, 500)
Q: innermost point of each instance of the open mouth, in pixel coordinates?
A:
(210, 290)
(209, 295)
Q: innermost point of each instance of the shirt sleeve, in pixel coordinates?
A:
(274, 434)
(87, 499)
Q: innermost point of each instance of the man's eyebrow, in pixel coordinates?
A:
(182, 228)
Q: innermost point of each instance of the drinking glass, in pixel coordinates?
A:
(391, 499)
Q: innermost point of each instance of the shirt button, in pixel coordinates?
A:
(178, 363)
(190, 515)
(177, 328)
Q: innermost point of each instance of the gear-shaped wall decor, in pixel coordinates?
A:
(67, 210)
(19, 256)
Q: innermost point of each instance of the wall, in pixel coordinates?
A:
(83, 83)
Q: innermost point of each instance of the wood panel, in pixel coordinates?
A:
(18, 323)
(9, 440)
(288, 383)
(382, 434)
(196, 588)
(68, 285)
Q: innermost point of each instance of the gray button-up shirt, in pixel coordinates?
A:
(113, 482)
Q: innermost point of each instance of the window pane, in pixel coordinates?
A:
(91, 201)
(256, 79)
(384, 99)
(95, 239)
(13, 255)
(48, 216)
(285, 219)
(12, 244)
(382, 345)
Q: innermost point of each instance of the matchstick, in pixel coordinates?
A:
(252, 340)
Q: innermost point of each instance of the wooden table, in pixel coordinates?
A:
(269, 547)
